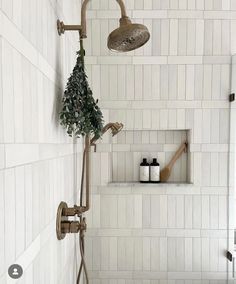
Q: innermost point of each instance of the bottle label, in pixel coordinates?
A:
(144, 173)
(155, 173)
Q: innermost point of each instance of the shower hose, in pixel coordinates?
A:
(81, 233)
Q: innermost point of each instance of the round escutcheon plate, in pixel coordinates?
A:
(60, 218)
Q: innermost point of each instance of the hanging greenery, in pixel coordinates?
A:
(80, 113)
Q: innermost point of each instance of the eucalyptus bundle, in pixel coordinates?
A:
(80, 113)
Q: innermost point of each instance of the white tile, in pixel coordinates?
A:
(173, 83)
(181, 81)
(214, 212)
(147, 82)
(8, 92)
(121, 82)
(18, 154)
(179, 211)
(164, 82)
(216, 81)
(164, 119)
(198, 90)
(180, 254)
(138, 82)
(2, 221)
(155, 82)
(217, 34)
(215, 131)
(205, 212)
(28, 205)
(188, 254)
(208, 39)
(165, 37)
(173, 37)
(163, 211)
(190, 70)
(205, 254)
(206, 130)
(196, 254)
(10, 220)
(191, 37)
(197, 212)
(130, 86)
(207, 82)
(155, 254)
(20, 205)
(182, 43)
(188, 212)
(146, 254)
(156, 34)
(199, 37)
(197, 126)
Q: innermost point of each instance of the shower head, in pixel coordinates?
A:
(128, 36)
(115, 129)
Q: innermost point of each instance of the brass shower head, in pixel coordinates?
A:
(115, 129)
(128, 36)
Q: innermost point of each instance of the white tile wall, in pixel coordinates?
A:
(36, 157)
(180, 80)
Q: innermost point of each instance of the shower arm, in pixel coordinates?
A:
(61, 27)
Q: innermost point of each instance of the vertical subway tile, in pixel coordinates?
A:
(199, 36)
(8, 92)
(10, 219)
(155, 83)
(173, 37)
(190, 71)
(208, 39)
(173, 74)
(181, 81)
(164, 82)
(147, 82)
(164, 37)
(156, 34)
(191, 37)
(188, 248)
(20, 205)
(138, 82)
(182, 43)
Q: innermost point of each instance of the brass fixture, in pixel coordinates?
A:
(125, 38)
(63, 224)
(115, 129)
(63, 211)
(61, 27)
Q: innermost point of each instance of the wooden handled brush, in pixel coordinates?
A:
(165, 173)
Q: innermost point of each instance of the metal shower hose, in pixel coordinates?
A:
(81, 234)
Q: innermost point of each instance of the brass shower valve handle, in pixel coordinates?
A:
(72, 211)
(64, 225)
(73, 226)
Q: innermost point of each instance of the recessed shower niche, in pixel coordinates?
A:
(130, 147)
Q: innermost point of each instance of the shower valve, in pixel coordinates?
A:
(64, 225)
(73, 226)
